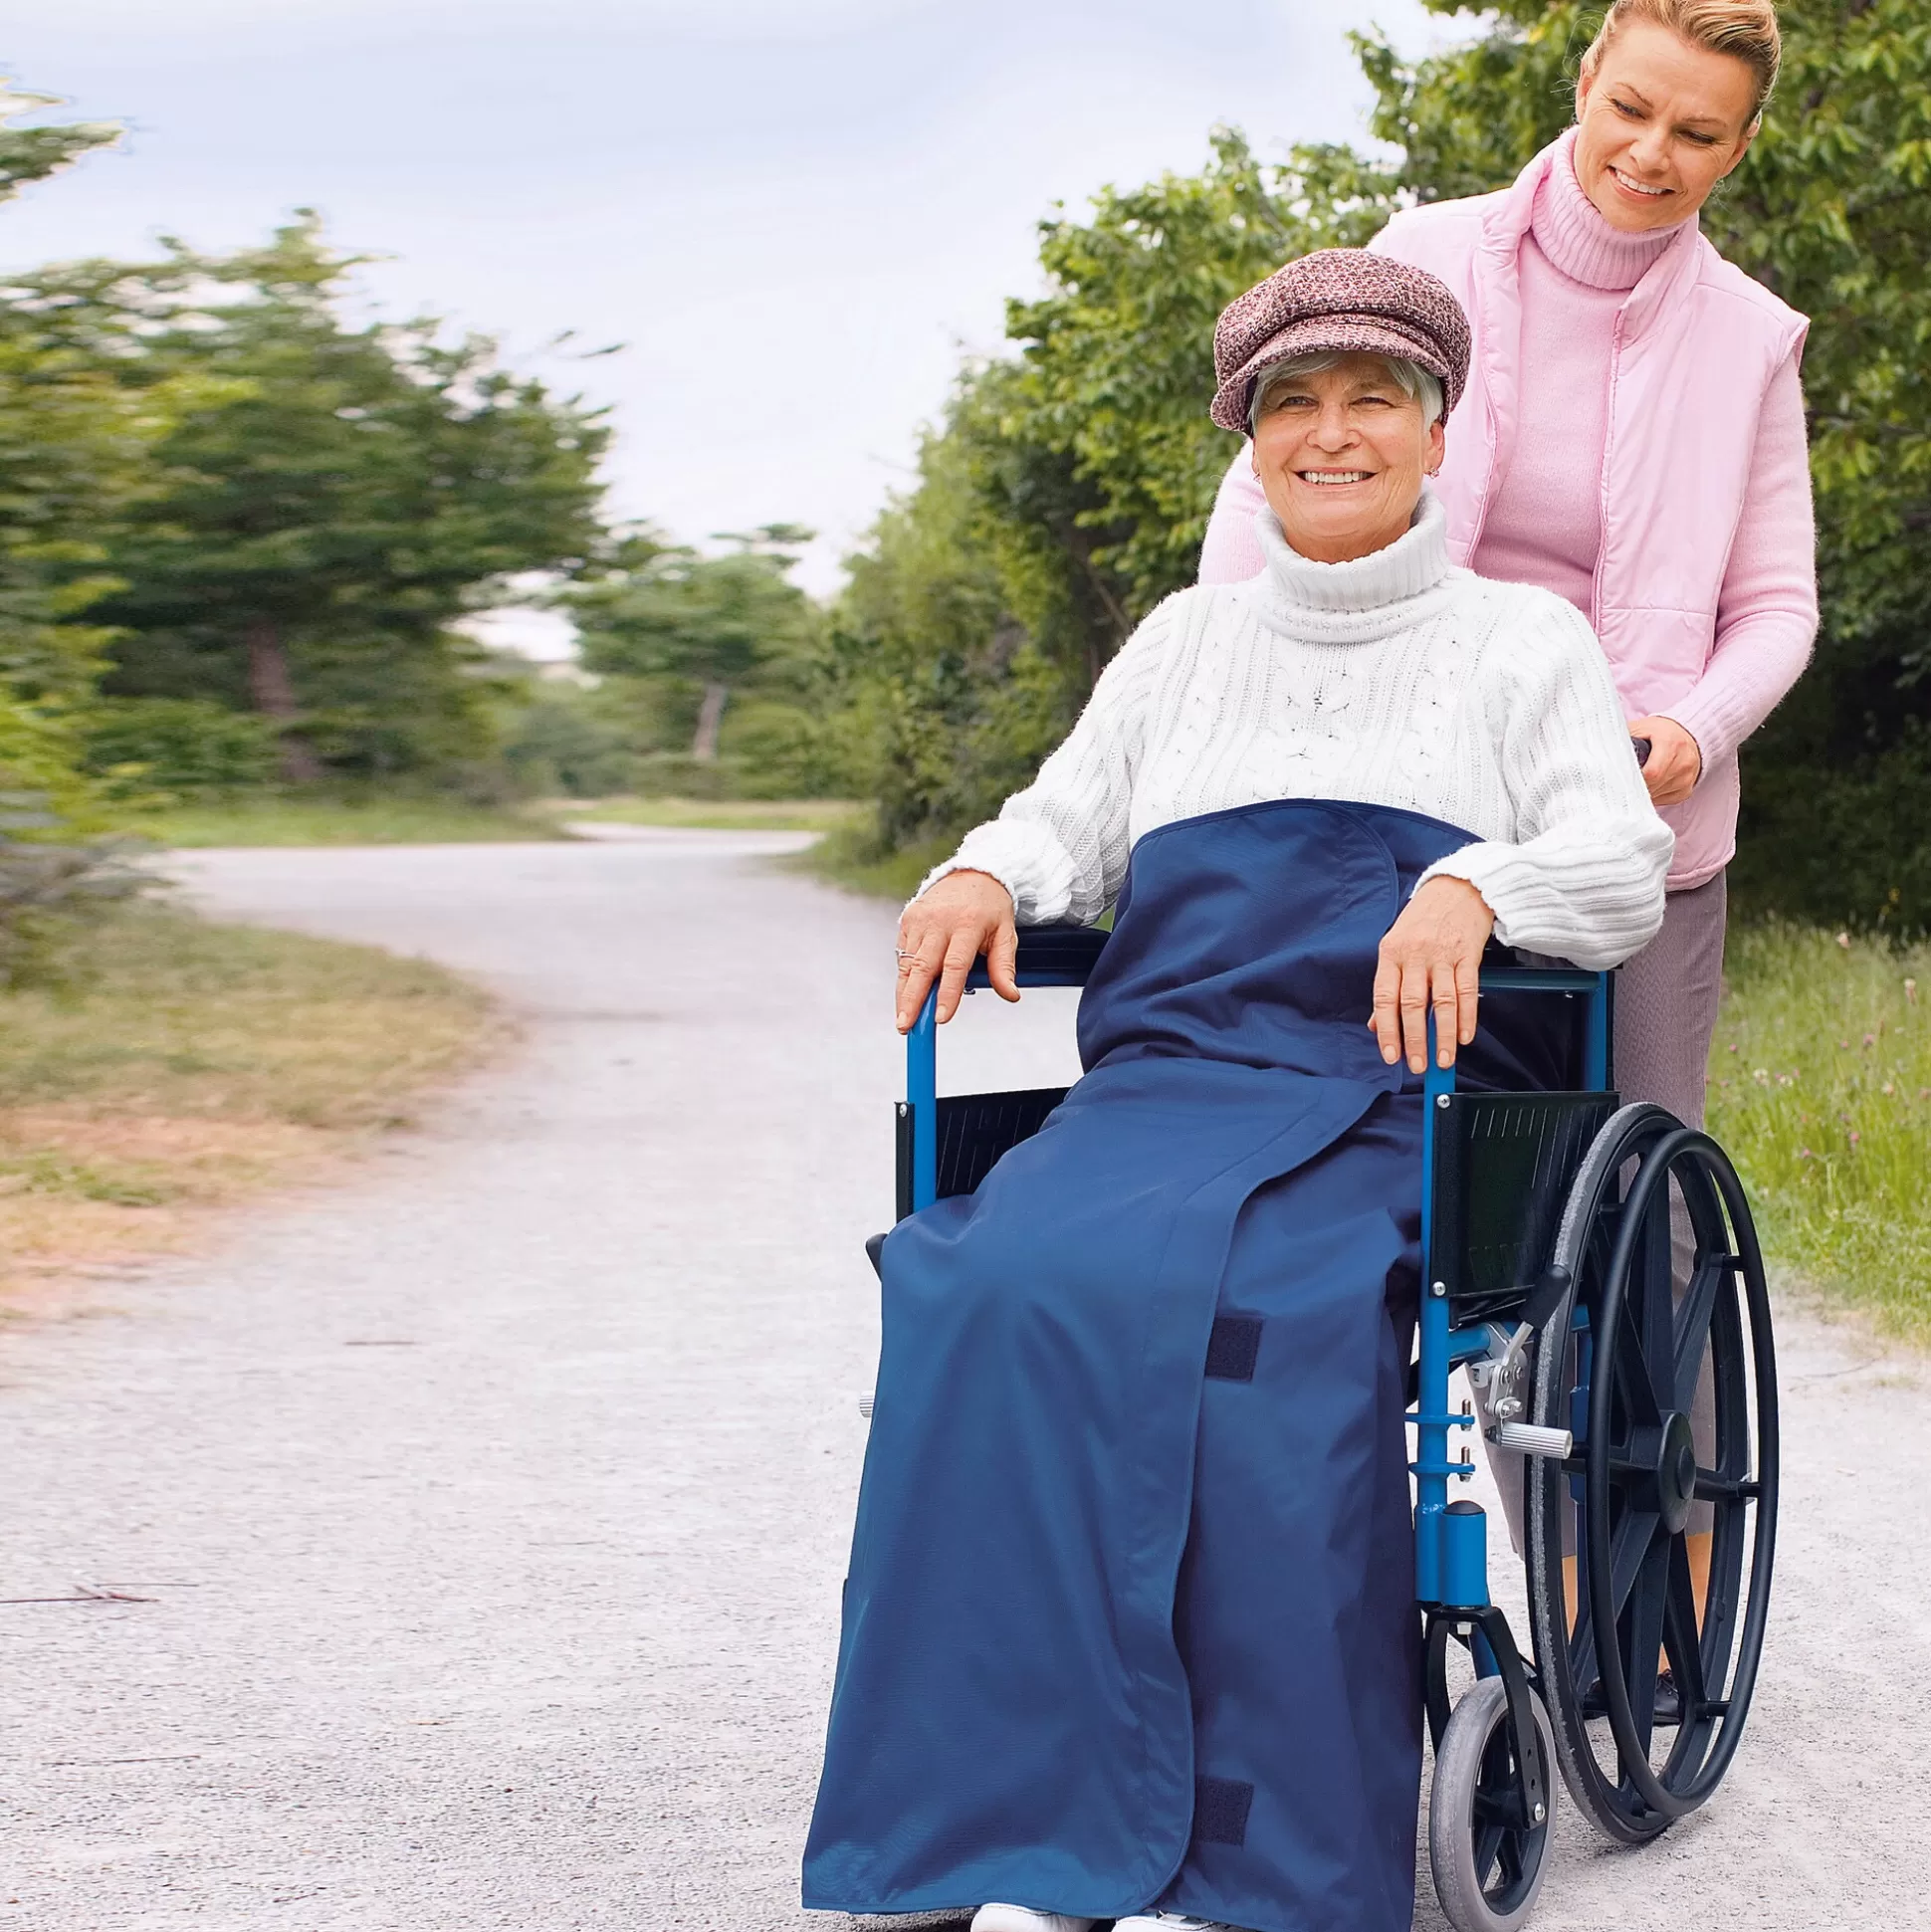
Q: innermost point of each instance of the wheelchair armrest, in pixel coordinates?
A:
(1539, 979)
(1051, 956)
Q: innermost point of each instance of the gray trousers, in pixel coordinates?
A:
(1666, 1004)
(1666, 1000)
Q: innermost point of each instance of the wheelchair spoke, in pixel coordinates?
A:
(1692, 1328)
(1712, 1486)
(1633, 1375)
(1629, 1546)
(1683, 1639)
(1510, 1860)
(1655, 1306)
(1646, 1638)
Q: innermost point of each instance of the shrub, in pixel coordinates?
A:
(180, 747)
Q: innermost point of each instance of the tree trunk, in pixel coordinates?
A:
(272, 685)
(703, 746)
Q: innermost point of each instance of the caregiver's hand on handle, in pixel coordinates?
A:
(1432, 957)
(944, 931)
(1675, 760)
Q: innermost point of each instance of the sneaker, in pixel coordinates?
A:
(1017, 1918)
(1171, 1922)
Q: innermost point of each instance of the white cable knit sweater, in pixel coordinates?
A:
(1393, 680)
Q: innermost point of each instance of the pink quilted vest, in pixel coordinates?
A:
(1696, 344)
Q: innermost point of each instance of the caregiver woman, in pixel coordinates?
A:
(1633, 438)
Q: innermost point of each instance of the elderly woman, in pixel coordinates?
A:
(1129, 1632)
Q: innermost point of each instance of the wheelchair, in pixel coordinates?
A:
(1594, 1270)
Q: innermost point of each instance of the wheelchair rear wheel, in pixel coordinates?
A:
(1488, 1862)
(1649, 1550)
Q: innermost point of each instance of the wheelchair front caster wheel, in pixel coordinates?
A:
(1488, 1866)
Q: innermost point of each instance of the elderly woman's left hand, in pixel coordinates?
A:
(1432, 957)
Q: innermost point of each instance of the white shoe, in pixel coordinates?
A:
(1017, 1918)
(1170, 1922)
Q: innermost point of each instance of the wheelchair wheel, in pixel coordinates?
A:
(1647, 1636)
(1488, 1866)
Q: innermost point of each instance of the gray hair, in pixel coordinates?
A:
(1410, 377)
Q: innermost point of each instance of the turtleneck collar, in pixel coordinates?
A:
(1579, 241)
(1370, 598)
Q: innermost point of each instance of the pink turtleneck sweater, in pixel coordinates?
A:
(1545, 520)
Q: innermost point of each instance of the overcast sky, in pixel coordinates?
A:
(797, 214)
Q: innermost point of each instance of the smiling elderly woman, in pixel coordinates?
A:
(1130, 1632)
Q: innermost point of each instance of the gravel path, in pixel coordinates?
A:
(487, 1515)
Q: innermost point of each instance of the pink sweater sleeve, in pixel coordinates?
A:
(1232, 553)
(1767, 613)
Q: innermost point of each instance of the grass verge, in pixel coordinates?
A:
(716, 814)
(198, 1064)
(847, 856)
(1821, 1091)
(344, 822)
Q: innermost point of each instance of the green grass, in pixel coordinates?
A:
(1821, 1090)
(185, 1065)
(846, 856)
(342, 821)
(720, 814)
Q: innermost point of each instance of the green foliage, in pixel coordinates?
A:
(1117, 362)
(950, 700)
(326, 504)
(1068, 489)
(181, 747)
(1821, 1090)
(31, 153)
(564, 743)
(717, 664)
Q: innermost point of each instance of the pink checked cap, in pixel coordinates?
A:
(1344, 301)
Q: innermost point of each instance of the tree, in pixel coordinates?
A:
(72, 448)
(1117, 358)
(331, 503)
(712, 624)
(1068, 489)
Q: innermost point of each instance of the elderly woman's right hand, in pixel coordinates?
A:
(944, 931)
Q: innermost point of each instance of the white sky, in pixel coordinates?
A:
(797, 213)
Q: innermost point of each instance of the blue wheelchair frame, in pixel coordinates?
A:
(1450, 1539)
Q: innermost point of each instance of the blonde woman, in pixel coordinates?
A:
(1633, 439)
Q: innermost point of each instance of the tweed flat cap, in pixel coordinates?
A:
(1340, 300)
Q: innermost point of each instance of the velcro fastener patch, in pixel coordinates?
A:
(1221, 1807)
(1234, 1346)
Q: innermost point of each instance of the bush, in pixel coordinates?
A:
(561, 744)
(1841, 846)
(179, 746)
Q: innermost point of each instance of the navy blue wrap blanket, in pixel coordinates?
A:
(1130, 1619)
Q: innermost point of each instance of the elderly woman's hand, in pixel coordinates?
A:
(944, 931)
(1432, 957)
(1675, 760)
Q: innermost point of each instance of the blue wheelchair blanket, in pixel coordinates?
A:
(1131, 1618)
